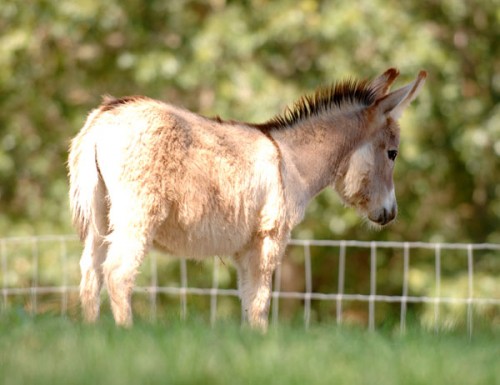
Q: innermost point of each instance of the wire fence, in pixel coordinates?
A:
(441, 285)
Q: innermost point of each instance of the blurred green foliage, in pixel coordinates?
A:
(247, 60)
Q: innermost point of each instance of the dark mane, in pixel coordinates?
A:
(323, 99)
(110, 103)
(347, 92)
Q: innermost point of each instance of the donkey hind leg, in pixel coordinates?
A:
(126, 252)
(93, 256)
(255, 273)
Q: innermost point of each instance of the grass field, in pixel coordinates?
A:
(53, 350)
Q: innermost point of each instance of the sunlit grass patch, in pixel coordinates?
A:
(54, 350)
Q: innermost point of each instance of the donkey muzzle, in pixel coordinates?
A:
(384, 215)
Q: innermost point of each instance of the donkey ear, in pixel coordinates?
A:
(394, 103)
(381, 84)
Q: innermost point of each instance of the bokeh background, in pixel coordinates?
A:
(247, 60)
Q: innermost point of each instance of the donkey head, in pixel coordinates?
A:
(366, 179)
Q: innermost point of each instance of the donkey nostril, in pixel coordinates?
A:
(383, 216)
(386, 216)
(390, 215)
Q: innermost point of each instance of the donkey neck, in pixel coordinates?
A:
(314, 150)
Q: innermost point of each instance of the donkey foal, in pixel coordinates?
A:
(145, 174)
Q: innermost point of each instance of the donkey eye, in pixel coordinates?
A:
(392, 154)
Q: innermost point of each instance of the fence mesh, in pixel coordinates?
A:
(439, 285)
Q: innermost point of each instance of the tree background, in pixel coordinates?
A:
(247, 60)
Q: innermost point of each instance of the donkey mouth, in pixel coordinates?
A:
(383, 217)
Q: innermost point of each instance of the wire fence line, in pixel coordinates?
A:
(35, 267)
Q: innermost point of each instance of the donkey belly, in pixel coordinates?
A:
(205, 238)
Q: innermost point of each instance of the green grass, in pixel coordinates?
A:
(52, 350)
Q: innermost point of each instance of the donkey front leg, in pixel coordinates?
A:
(255, 273)
(125, 255)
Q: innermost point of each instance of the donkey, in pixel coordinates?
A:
(146, 174)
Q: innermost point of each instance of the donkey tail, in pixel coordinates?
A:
(86, 188)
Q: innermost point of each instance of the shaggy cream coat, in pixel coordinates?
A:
(145, 174)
